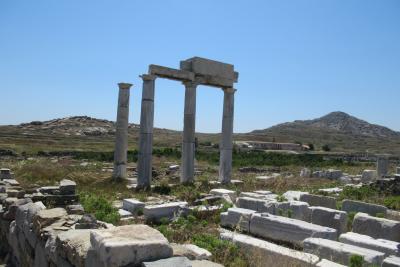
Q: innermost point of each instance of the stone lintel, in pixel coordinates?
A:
(169, 73)
(203, 66)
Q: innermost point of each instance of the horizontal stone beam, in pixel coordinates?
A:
(169, 73)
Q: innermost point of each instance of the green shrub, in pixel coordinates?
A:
(100, 207)
(356, 261)
(350, 219)
(392, 202)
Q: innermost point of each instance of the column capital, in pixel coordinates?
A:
(148, 77)
(124, 85)
(190, 83)
(229, 90)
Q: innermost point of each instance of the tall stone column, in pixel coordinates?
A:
(225, 158)
(146, 132)
(382, 165)
(121, 134)
(189, 126)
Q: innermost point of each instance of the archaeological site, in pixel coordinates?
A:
(192, 134)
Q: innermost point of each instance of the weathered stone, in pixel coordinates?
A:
(299, 210)
(263, 192)
(190, 251)
(339, 252)
(47, 217)
(330, 218)
(75, 209)
(73, 245)
(287, 230)
(67, 187)
(88, 221)
(358, 206)
(393, 215)
(51, 190)
(321, 201)
(368, 176)
(221, 192)
(382, 165)
(260, 205)
(204, 263)
(132, 205)
(237, 218)
(169, 73)
(264, 253)
(305, 172)
(376, 227)
(326, 263)
(40, 256)
(11, 182)
(124, 213)
(168, 211)
(391, 261)
(130, 244)
(293, 195)
(386, 246)
(5, 174)
(170, 262)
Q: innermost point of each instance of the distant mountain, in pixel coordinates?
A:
(340, 130)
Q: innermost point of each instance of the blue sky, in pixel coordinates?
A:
(297, 59)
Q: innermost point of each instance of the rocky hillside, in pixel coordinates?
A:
(71, 126)
(341, 131)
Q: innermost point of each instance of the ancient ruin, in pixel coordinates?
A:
(193, 72)
(121, 134)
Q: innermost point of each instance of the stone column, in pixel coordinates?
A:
(146, 132)
(189, 126)
(225, 158)
(121, 134)
(382, 165)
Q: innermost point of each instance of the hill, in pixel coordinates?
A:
(341, 131)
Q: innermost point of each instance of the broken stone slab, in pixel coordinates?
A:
(75, 209)
(263, 192)
(339, 252)
(204, 263)
(376, 227)
(321, 201)
(51, 190)
(222, 192)
(11, 182)
(210, 200)
(332, 218)
(24, 219)
(73, 246)
(133, 205)
(393, 215)
(358, 206)
(369, 176)
(326, 263)
(129, 244)
(287, 230)
(333, 190)
(47, 217)
(192, 252)
(168, 211)
(252, 195)
(12, 205)
(391, 261)
(67, 187)
(5, 174)
(305, 173)
(260, 205)
(386, 246)
(237, 218)
(170, 262)
(124, 213)
(300, 210)
(269, 254)
(293, 195)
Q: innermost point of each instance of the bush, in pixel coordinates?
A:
(392, 202)
(100, 207)
(356, 261)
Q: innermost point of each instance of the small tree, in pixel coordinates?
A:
(356, 261)
(326, 148)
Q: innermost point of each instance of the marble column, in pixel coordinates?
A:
(144, 166)
(226, 145)
(121, 134)
(382, 165)
(189, 126)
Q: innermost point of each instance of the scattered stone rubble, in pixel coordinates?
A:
(314, 224)
(33, 235)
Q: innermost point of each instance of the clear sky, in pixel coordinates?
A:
(296, 59)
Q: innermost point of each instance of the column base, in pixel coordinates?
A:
(119, 172)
